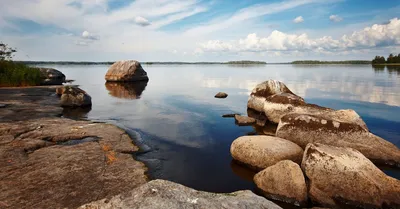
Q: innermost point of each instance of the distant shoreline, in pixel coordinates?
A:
(387, 64)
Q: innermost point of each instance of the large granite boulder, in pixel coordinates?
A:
(168, 195)
(303, 129)
(274, 100)
(74, 97)
(63, 163)
(51, 76)
(126, 90)
(283, 181)
(126, 71)
(344, 177)
(260, 152)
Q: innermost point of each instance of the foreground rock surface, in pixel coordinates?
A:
(244, 120)
(283, 181)
(126, 71)
(62, 163)
(168, 195)
(74, 97)
(343, 176)
(259, 152)
(51, 76)
(304, 129)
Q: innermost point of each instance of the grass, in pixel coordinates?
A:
(14, 74)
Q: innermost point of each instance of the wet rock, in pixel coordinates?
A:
(221, 95)
(230, 115)
(51, 76)
(304, 129)
(283, 181)
(169, 195)
(126, 90)
(260, 152)
(75, 97)
(244, 120)
(345, 177)
(62, 163)
(126, 71)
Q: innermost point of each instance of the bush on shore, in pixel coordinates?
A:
(14, 74)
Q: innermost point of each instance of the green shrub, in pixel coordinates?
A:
(18, 74)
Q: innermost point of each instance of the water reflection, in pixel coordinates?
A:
(126, 90)
(393, 70)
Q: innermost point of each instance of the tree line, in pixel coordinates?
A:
(390, 60)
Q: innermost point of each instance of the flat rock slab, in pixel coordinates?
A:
(168, 195)
(29, 103)
(230, 115)
(244, 120)
(62, 163)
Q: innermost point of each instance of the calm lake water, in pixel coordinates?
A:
(177, 121)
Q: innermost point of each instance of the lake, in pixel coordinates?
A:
(177, 122)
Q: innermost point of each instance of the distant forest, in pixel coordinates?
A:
(314, 62)
(392, 59)
(242, 62)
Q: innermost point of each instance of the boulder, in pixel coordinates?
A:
(126, 90)
(274, 100)
(74, 97)
(260, 152)
(51, 76)
(221, 95)
(126, 71)
(168, 195)
(283, 181)
(344, 177)
(244, 120)
(303, 129)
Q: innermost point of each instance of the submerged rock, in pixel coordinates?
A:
(126, 71)
(51, 76)
(63, 163)
(260, 152)
(283, 181)
(230, 115)
(345, 177)
(74, 97)
(168, 195)
(244, 120)
(221, 95)
(304, 129)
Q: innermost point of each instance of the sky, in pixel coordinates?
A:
(200, 30)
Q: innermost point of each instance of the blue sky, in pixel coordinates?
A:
(200, 30)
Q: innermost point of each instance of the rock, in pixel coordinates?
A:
(244, 120)
(304, 129)
(3, 105)
(221, 95)
(168, 195)
(230, 115)
(60, 90)
(260, 152)
(126, 90)
(74, 97)
(129, 70)
(345, 177)
(283, 181)
(62, 163)
(274, 100)
(51, 76)
(260, 117)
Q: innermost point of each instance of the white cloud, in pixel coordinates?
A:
(370, 37)
(81, 43)
(141, 21)
(335, 18)
(89, 36)
(298, 19)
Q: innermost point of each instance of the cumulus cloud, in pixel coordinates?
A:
(141, 21)
(335, 18)
(298, 19)
(89, 36)
(385, 35)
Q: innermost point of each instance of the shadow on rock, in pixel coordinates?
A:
(126, 90)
